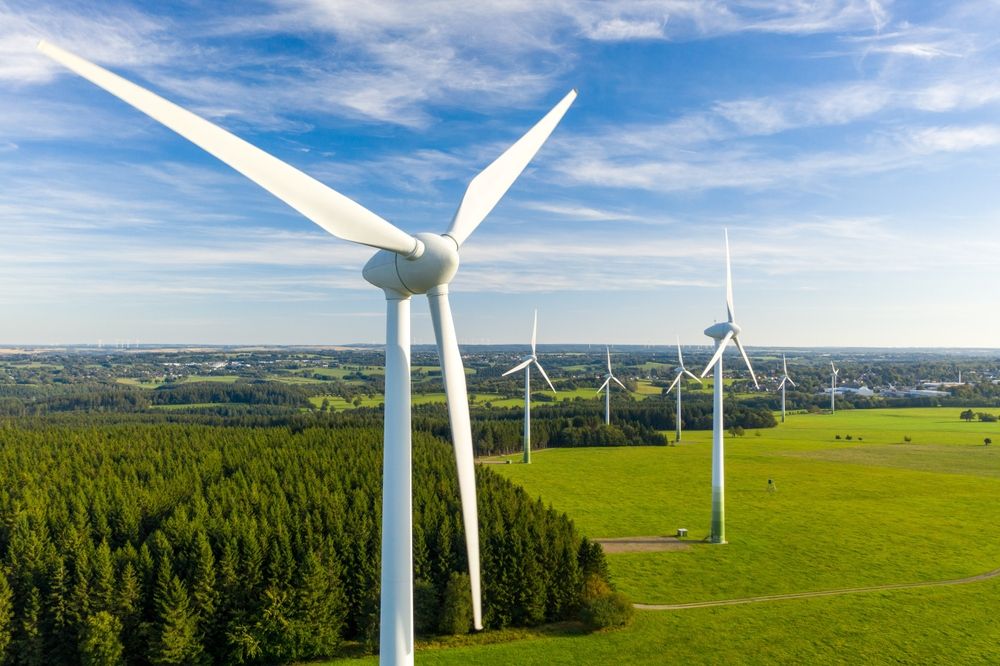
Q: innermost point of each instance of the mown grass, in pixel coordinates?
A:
(945, 625)
(846, 513)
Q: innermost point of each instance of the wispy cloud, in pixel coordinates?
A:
(109, 32)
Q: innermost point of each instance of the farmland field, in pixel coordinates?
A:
(846, 513)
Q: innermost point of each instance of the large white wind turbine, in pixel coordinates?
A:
(405, 265)
(785, 379)
(833, 387)
(525, 365)
(681, 371)
(722, 333)
(606, 387)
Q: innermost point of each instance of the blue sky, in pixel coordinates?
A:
(851, 148)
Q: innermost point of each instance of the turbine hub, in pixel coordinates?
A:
(722, 329)
(435, 266)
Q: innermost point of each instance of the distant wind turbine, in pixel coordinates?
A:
(525, 365)
(405, 265)
(833, 387)
(606, 387)
(785, 379)
(722, 333)
(681, 371)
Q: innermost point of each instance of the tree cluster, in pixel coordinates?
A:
(166, 543)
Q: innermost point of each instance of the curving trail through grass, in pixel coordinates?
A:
(819, 593)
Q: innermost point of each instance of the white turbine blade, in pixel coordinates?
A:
(784, 365)
(692, 375)
(718, 353)
(835, 371)
(608, 349)
(782, 383)
(730, 309)
(487, 188)
(618, 382)
(534, 333)
(746, 359)
(453, 374)
(520, 366)
(542, 370)
(789, 380)
(331, 210)
(604, 385)
(680, 358)
(676, 381)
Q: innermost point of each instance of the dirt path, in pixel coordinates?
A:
(642, 544)
(821, 593)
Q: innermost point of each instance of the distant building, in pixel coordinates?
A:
(862, 391)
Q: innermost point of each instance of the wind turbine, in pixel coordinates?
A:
(681, 371)
(525, 365)
(833, 388)
(606, 387)
(785, 379)
(722, 333)
(405, 265)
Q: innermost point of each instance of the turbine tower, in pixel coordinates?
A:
(525, 365)
(785, 379)
(606, 387)
(405, 265)
(833, 388)
(722, 333)
(681, 371)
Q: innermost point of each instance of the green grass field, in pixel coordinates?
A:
(846, 513)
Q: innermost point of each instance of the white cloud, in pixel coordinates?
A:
(111, 33)
(585, 213)
(955, 138)
(619, 29)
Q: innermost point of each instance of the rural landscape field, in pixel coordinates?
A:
(875, 513)
(860, 534)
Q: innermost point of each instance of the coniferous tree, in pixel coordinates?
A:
(29, 649)
(6, 614)
(100, 644)
(456, 607)
(59, 646)
(102, 591)
(175, 632)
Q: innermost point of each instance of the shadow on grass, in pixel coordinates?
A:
(356, 650)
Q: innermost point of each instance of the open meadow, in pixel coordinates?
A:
(869, 511)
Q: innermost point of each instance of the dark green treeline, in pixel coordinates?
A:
(177, 544)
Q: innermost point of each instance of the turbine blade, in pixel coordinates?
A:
(784, 365)
(453, 374)
(534, 333)
(676, 381)
(718, 354)
(618, 382)
(789, 380)
(680, 358)
(730, 309)
(782, 382)
(692, 375)
(542, 370)
(608, 349)
(746, 359)
(604, 385)
(520, 366)
(331, 210)
(487, 188)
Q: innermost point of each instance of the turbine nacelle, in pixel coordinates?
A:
(435, 264)
(722, 329)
